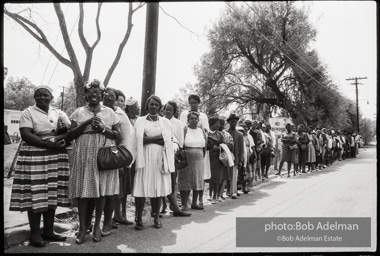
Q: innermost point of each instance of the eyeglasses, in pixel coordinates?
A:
(109, 96)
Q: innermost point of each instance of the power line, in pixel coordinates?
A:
(333, 92)
(179, 22)
(357, 100)
(63, 50)
(274, 32)
(53, 47)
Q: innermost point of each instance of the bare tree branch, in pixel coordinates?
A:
(40, 38)
(122, 44)
(69, 48)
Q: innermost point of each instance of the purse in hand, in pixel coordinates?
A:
(223, 157)
(113, 157)
(180, 159)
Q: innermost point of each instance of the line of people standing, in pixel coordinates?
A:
(224, 158)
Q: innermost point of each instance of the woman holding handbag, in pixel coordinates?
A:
(170, 109)
(153, 140)
(192, 176)
(93, 126)
(110, 99)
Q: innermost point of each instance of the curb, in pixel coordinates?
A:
(20, 234)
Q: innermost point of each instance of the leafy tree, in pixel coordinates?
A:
(26, 18)
(18, 93)
(252, 59)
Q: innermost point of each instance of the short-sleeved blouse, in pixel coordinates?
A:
(41, 122)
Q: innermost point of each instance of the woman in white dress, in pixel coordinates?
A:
(153, 138)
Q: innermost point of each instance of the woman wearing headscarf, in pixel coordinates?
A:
(42, 169)
(93, 126)
(194, 102)
(110, 98)
(192, 176)
(132, 109)
(153, 138)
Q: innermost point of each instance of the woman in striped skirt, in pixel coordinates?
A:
(42, 169)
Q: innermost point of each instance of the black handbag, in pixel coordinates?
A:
(113, 157)
(180, 159)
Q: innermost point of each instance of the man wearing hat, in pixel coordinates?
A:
(238, 152)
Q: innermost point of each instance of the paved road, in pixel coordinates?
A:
(346, 189)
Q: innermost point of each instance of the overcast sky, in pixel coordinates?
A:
(346, 42)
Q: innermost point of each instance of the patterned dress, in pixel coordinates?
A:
(41, 176)
(86, 181)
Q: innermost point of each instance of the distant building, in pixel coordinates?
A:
(12, 121)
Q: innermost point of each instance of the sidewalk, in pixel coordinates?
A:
(16, 225)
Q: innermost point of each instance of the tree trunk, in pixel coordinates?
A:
(79, 88)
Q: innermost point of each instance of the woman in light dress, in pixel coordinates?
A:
(153, 140)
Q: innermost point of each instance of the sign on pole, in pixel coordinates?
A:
(278, 124)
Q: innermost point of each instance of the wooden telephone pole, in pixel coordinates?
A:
(357, 101)
(150, 54)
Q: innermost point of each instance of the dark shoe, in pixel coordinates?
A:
(114, 226)
(181, 214)
(123, 222)
(97, 238)
(89, 230)
(157, 224)
(238, 194)
(233, 197)
(106, 233)
(39, 243)
(197, 207)
(163, 210)
(245, 191)
(53, 237)
(139, 225)
(277, 173)
(80, 239)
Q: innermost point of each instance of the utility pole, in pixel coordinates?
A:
(357, 101)
(63, 95)
(150, 53)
